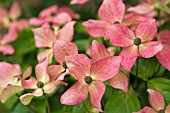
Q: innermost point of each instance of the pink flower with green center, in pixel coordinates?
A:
(7, 18)
(5, 39)
(54, 15)
(42, 84)
(45, 38)
(90, 77)
(164, 55)
(136, 44)
(120, 80)
(110, 12)
(157, 103)
(10, 83)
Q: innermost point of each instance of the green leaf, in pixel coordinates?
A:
(162, 85)
(80, 108)
(81, 44)
(21, 108)
(146, 68)
(24, 43)
(123, 103)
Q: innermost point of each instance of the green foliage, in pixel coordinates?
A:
(146, 68)
(122, 103)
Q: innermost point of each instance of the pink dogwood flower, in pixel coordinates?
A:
(7, 18)
(5, 39)
(42, 84)
(110, 12)
(54, 15)
(78, 1)
(120, 80)
(163, 56)
(10, 83)
(157, 103)
(136, 44)
(45, 38)
(90, 78)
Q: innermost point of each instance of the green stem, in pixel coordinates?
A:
(47, 103)
(136, 77)
(86, 108)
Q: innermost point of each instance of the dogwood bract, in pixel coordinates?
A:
(90, 78)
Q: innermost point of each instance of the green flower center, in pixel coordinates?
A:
(3, 30)
(161, 111)
(88, 79)
(40, 84)
(116, 22)
(137, 41)
(64, 65)
(52, 14)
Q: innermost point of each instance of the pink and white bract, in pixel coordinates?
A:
(9, 83)
(136, 44)
(90, 78)
(163, 56)
(42, 83)
(120, 80)
(5, 39)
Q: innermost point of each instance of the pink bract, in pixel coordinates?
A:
(144, 9)
(163, 56)
(42, 83)
(9, 82)
(11, 36)
(120, 80)
(110, 12)
(136, 44)
(90, 78)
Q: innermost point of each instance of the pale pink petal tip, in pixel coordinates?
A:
(62, 49)
(96, 28)
(96, 90)
(66, 33)
(98, 51)
(146, 30)
(78, 2)
(26, 98)
(146, 109)
(119, 81)
(9, 91)
(164, 57)
(156, 100)
(112, 10)
(167, 110)
(106, 68)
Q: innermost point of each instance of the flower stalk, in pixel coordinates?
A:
(136, 76)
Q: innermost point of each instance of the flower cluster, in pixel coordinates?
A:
(134, 33)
